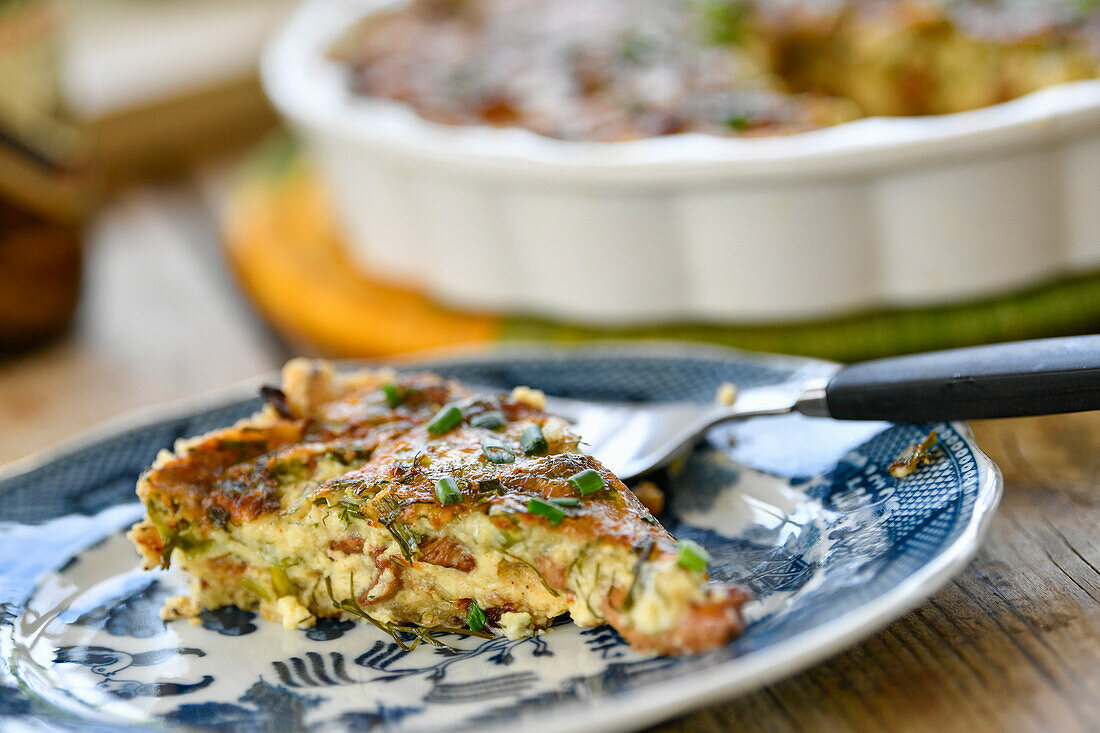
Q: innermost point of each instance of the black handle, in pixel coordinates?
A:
(1002, 380)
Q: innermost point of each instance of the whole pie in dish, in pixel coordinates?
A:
(419, 506)
(610, 70)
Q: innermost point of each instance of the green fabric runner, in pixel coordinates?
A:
(1065, 307)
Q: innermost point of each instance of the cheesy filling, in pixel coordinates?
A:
(358, 497)
(284, 565)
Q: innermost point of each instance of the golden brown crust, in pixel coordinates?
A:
(233, 475)
(343, 447)
(704, 625)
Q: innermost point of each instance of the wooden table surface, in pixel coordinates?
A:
(1011, 644)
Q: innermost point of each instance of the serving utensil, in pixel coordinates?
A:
(1038, 377)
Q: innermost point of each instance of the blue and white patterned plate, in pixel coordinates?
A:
(801, 510)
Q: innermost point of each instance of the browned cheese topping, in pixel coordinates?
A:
(407, 500)
(610, 70)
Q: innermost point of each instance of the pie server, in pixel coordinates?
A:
(1037, 377)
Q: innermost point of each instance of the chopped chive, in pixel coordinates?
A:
(692, 556)
(492, 420)
(255, 588)
(532, 441)
(348, 511)
(281, 582)
(587, 482)
(394, 395)
(546, 509)
(497, 453)
(565, 500)
(475, 617)
(446, 490)
(444, 420)
(737, 122)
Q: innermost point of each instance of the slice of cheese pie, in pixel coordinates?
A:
(412, 503)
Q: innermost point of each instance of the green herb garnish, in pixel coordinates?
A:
(288, 470)
(532, 441)
(635, 47)
(645, 549)
(255, 588)
(546, 509)
(722, 22)
(587, 481)
(446, 490)
(737, 122)
(475, 617)
(348, 454)
(497, 452)
(348, 511)
(281, 582)
(419, 634)
(192, 545)
(394, 395)
(1085, 7)
(166, 550)
(492, 420)
(407, 540)
(692, 556)
(444, 420)
(565, 500)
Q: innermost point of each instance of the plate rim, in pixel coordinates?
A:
(807, 648)
(635, 709)
(146, 415)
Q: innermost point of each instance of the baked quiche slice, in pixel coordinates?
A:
(414, 504)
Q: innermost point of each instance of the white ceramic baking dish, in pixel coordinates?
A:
(874, 213)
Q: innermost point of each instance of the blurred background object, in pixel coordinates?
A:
(113, 293)
(155, 214)
(46, 184)
(286, 245)
(438, 133)
(161, 83)
(98, 93)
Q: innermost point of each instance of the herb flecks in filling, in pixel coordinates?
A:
(420, 519)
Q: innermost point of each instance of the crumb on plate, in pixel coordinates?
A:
(913, 457)
(177, 607)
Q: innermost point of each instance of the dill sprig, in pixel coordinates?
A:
(407, 540)
(645, 549)
(520, 560)
(395, 631)
(348, 511)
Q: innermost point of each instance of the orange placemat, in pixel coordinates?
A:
(286, 250)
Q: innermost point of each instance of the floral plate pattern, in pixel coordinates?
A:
(801, 510)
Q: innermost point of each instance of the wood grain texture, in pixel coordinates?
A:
(1012, 644)
(159, 321)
